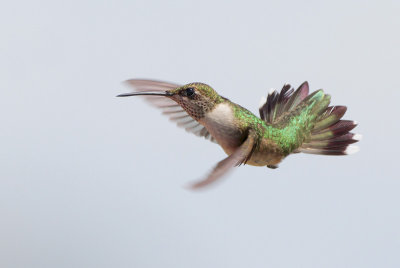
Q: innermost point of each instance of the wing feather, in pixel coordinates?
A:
(169, 107)
(237, 158)
(278, 104)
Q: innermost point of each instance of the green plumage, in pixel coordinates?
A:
(290, 129)
(309, 125)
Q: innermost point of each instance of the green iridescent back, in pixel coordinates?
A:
(293, 127)
(290, 129)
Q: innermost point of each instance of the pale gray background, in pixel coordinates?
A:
(90, 180)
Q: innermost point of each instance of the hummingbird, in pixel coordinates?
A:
(291, 121)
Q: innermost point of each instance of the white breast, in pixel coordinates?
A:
(221, 115)
(220, 122)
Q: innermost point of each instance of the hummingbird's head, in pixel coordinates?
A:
(196, 98)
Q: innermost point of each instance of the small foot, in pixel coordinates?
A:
(272, 166)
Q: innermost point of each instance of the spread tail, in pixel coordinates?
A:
(330, 135)
(307, 123)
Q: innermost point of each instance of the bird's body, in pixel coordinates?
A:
(290, 122)
(229, 124)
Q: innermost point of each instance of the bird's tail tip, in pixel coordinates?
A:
(351, 149)
(331, 135)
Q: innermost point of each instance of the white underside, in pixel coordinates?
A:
(220, 122)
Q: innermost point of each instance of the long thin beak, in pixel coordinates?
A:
(152, 93)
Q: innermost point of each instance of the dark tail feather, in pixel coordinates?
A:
(331, 136)
(276, 104)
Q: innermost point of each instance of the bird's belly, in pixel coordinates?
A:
(264, 159)
(268, 153)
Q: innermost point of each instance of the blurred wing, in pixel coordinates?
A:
(240, 156)
(169, 107)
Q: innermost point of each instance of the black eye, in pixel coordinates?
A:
(190, 92)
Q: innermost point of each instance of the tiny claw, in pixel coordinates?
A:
(272, 166)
